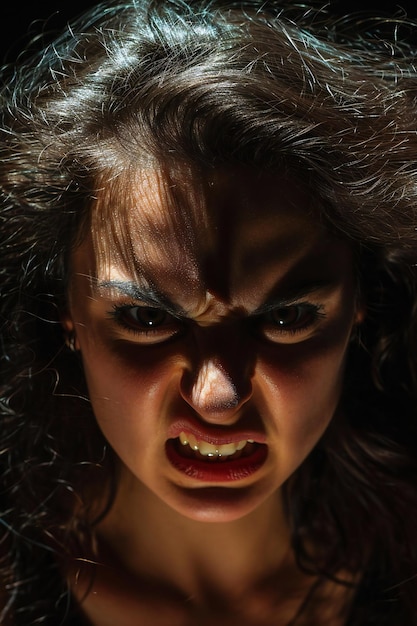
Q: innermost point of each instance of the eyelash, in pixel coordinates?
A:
(164, 332)
(307, 316)
(267, 325)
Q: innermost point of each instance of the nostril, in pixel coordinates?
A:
(217, 405)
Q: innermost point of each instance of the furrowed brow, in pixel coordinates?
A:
(144, 295)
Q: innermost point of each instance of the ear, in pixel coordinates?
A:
(66, 320)
(360, 308)
(358, 319)
(68, 326)
(360, 314)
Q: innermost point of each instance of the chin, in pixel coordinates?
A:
(217, 504)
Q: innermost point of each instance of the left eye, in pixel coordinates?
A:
(290, 323)
(291, 317)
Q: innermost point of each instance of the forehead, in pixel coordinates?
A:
(205, 231)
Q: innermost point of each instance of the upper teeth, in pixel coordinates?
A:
(209, 449)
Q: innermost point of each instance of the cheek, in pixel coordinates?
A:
(303, 384)
(301, 400)
(125, 382)
(127, 402)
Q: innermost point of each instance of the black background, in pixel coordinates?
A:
(20, 24)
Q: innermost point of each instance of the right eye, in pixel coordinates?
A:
(148, 324)
(145, 317)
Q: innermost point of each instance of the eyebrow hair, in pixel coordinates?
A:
(148, 295)
(293, 296)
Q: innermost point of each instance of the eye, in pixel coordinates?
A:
(290, 317)
(290, 323)
(145, 317)
(148, 324)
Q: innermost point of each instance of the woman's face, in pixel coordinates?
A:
(215, 365)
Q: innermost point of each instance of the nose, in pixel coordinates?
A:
(217, 387)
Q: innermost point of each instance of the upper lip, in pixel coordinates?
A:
(216, 435)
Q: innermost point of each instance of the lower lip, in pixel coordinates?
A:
(212, 471)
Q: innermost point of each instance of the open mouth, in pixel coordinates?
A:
(193, 448)
(215, 462)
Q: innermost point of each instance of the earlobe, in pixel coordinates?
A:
(360, 315)
(360, 309)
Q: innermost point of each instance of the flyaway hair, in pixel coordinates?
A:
(184, 88)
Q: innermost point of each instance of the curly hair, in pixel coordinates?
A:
(262, 83)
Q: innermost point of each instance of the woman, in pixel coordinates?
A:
(208, 322)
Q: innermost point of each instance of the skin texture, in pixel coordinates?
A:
(265, 304)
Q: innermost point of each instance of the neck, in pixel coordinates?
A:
(147, 538)
(241, 571)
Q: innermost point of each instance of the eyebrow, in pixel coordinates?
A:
(147, 295)
(293, 296)
(150, 296)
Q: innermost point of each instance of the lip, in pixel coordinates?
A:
(215, 436)
(212, 471)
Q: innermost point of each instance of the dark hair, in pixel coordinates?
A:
(202, 84)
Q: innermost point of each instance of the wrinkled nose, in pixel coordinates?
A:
(215, 393)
